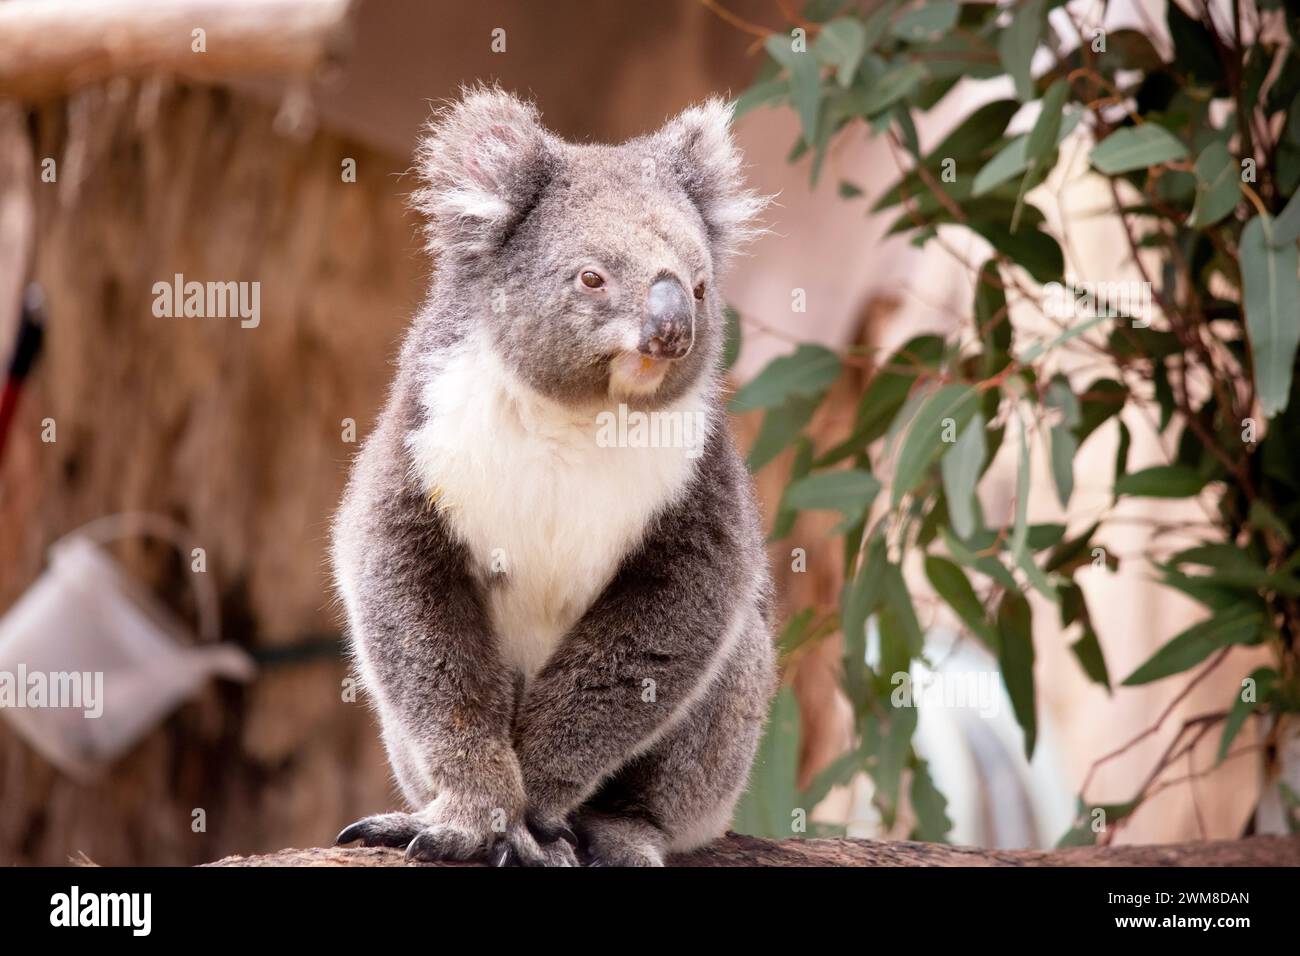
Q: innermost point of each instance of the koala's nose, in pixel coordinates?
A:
(667, 332)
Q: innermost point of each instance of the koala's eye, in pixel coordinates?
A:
(699, 291)
(592, 280)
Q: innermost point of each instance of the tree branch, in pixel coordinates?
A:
(736, 850)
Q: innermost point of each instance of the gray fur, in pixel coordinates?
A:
(486, 759)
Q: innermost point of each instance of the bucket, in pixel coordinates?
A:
(91, 661)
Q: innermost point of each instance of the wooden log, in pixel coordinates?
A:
(736, 850)
(49, 47)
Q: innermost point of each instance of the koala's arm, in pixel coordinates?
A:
(426, 647)
(662, 619)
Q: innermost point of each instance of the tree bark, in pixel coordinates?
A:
(736, 850)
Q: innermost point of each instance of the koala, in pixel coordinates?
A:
(564, 627)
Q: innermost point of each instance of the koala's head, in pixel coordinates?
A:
(594, 267)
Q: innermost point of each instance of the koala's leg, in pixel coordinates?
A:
(650, 645)
(427, 656)
(681, 793)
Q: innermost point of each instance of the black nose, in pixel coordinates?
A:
(667, 331)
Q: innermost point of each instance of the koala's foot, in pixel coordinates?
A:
(382, 829)
(616, 840)
(429, 839)
(536, 845)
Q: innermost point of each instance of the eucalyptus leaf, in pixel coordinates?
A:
(1271, 297)
(1017, 43)
(805, 81)
(947, 410)
(1237, 625)
(1218, 185)
(1136, 147)
(961, 466)
(841, 44)
(808, 371)
(1016, 660)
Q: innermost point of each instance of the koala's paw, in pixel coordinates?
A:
(426, 837)
(537, 844)
(382, 829)
(620, 841)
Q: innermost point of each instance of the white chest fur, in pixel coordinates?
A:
(537, 493)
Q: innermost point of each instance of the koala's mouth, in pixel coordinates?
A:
(633, 374)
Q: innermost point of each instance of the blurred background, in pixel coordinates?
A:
(280, 154)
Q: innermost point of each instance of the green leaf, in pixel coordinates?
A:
(1016, 660)
(925, 21)
(1041, 143)
(765, 93)
(924, 438)
(951, 584)
(1064, 444)
(781, 426)
(1020, 544)
(1286, 227)
(861, 597)
(1072, 554)
(808, 371)
(1083, 833)
(1238, 625)
(985, 564)
(805, 81)
(892, 750)
(1016, 45)
(1194, 51)
(1161, 481)
(767, 804)
(841, 44)
(899, 601)
(1033, 250)
(1218, 187)
(1262, 679)
(1087, 651)
(1013, 159)
(1270, 293)
(783, 523)
(1102, 399)
(992, 320)
(849, 491)
(1136, 147)
(887, 89)
(929, 807)
(961, 466)
(1121, 452)
(1263, 518)
(975, 133)
(796, 632)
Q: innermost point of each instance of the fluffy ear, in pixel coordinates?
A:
(484, 160)
(704, 159)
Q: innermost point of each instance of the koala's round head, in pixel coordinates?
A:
(594, 267)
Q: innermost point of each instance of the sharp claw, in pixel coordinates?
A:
(349, 833)
(544, 833)
(505, 855)
(413, 848)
